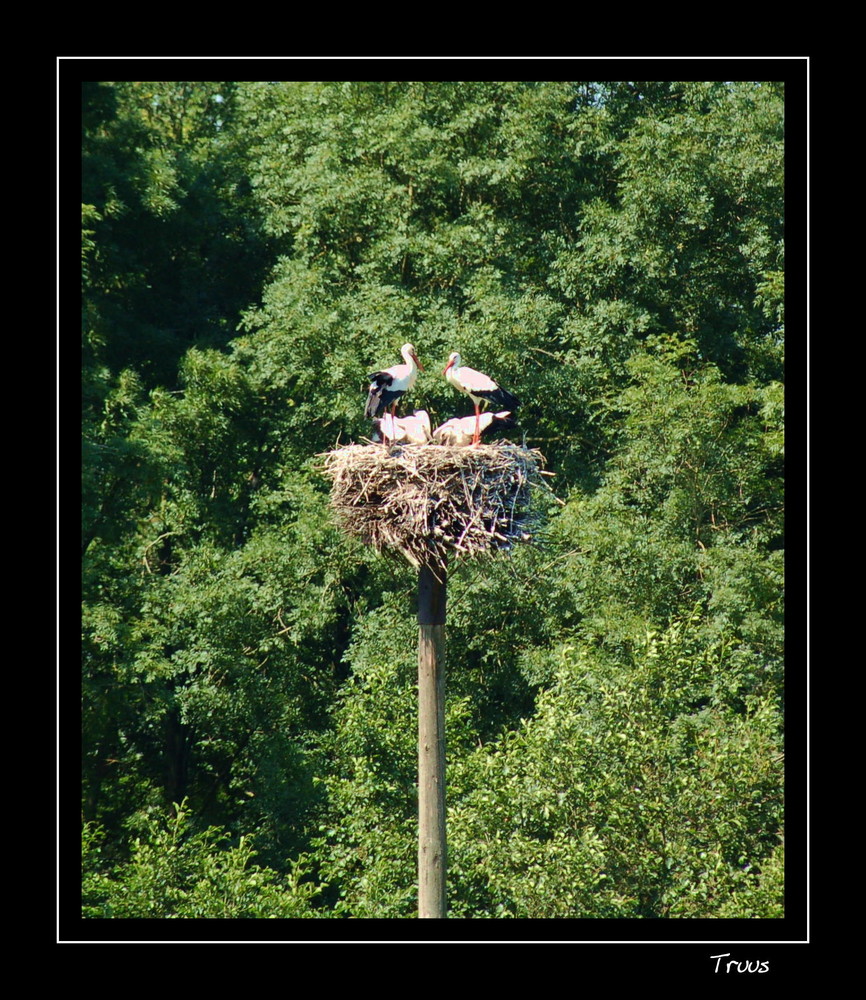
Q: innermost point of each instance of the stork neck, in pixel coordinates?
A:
(410, 361)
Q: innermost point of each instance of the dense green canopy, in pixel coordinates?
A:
(614, 254)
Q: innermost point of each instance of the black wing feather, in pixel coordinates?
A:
(501, 398)
(380, 398)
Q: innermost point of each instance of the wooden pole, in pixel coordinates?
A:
(431, 741)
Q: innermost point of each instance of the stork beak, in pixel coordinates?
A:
(417, 362)
(450, 363)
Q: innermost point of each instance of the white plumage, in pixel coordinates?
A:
(388, 385)
(402, 430)
(479, 388)
(460, 431)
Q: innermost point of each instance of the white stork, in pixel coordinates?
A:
(479, 388)
(397, 430)
(460, 431)
(388, 385)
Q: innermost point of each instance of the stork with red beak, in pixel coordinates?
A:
(480, 388)
(388, 385)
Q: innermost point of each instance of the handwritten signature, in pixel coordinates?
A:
(756, 966)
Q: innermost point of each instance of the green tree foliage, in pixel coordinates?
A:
(173, 251)
(176, 872)
(614, 255)
(634, 791)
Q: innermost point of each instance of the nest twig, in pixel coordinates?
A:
(429, 501)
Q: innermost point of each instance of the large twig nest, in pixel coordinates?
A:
(428, 501)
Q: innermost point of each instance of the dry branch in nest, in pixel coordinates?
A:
(429, 501)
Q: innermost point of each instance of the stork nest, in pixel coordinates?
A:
(428, 501)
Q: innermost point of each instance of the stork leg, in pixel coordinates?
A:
(477, 438)
(388, 441)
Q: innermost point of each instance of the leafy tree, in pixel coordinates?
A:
(175, 872)
(617, 799)
(173, 250)
(614, 254)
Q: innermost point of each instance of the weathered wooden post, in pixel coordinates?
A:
(429, 502)
(432, 843)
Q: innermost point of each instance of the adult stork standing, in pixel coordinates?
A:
(388, 385)
(479, 388)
